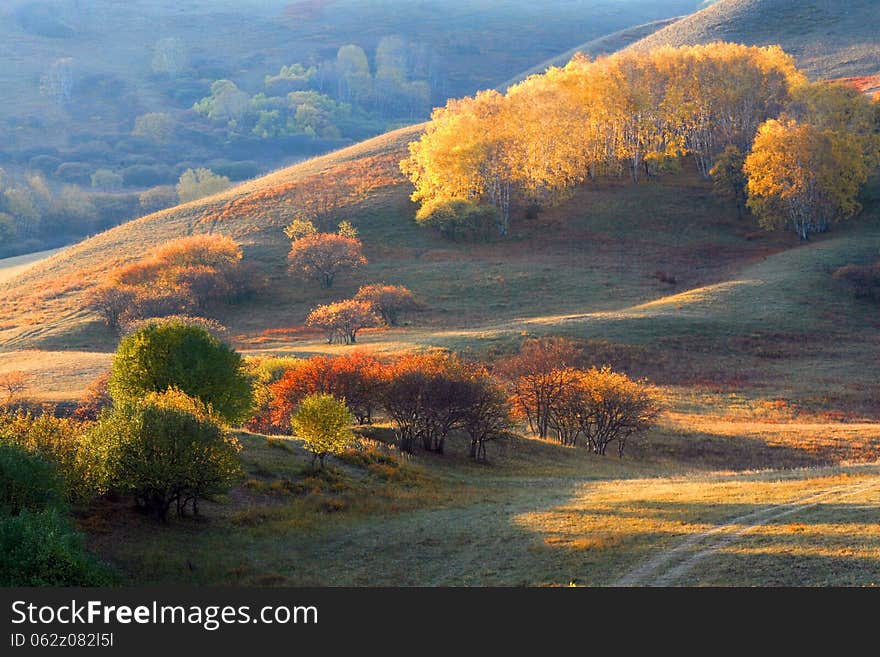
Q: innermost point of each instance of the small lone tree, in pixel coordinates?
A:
(324, 423)
(323, 256)
(342, 320)
(12, 385)
(391, 302)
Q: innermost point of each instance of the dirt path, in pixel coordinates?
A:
(670, 566)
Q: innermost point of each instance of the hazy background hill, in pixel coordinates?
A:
(829, 38)
(604, 45)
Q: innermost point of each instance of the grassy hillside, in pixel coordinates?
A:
(828, 38)
(11, 267)
(762, 468)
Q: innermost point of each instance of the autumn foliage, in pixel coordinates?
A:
(601, 406)
(182, 277)
(627, 113)
(806, 169)
(323, 256)
(342, 320)
(390, 302)
(355, 377)
(538, 374)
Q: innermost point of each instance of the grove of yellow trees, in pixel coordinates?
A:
(627, 112)
(631, 113)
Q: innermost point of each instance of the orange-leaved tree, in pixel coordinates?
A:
(323, 256)
(537, 376)
(391, 302)
(355, 377)
(342, 320)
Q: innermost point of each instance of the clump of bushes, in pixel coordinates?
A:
(558, 399)
(41, 548)
(863, 280)
(458, 219)
(187, 276)
(167, 449)
(27, 482)
(61, 442)
(38, 543)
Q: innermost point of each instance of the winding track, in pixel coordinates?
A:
(670, 566)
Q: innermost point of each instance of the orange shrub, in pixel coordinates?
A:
(357, 378)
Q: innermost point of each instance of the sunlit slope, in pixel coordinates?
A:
(828, 38)
(48, 298)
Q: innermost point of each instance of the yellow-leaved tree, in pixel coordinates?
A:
(324, 423)
(801, 175)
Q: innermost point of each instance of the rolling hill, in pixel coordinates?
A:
(762, 469)
(597, 265)
(828, 38)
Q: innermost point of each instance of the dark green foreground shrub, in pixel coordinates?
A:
(42, 549)
(27, 482)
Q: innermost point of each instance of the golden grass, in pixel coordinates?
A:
(56, 376)
(541, 514)
(608, 532)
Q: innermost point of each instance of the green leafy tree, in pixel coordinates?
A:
(156, 126)
(167, 449)
(227, 103)
(198, 183)
(174, 354)
(324, 423)
(728, 178)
